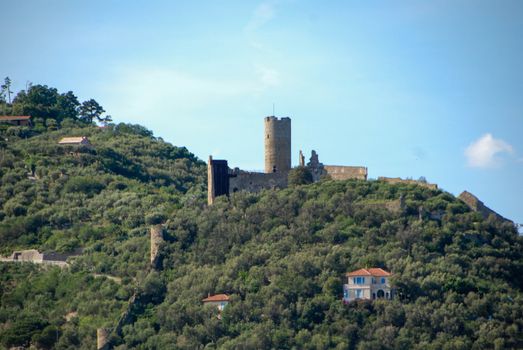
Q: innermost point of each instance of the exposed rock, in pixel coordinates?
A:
(476, 205)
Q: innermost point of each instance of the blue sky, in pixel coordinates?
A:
(406, 88)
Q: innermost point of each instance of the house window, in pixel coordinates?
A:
(373, 280)
(383, 280)
(358, 280)
(359, 293)
(346, 294)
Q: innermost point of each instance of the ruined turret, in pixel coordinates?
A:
(156, 241)
(102, 338)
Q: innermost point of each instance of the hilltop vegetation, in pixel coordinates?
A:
(78, 196)
(280, 255)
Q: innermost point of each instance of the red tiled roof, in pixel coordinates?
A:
(15, 117)
(373, 271)
(217, 297)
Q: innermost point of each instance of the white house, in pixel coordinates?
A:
(372, 283)
(219, 301)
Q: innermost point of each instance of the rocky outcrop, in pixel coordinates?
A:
(476, 205)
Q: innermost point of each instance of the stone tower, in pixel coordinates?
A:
(217, 179)
(156, 241)
(102, 338)
(277, 144)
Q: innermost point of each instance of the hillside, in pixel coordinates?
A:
(78, 195)
(280, 255)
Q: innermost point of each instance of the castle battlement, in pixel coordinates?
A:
(272, 118)
(221, 180)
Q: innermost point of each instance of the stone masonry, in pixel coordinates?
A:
(221, 180)
(102, 338)
(255, 182)
(277, 144)
(397, 180)
(156, 241)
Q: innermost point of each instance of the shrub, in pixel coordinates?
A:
(84, 184)
(300, 176)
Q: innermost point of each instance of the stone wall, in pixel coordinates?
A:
(397, 180)
(210, 182)
(340, 172)
(255, 182)
(277, 144)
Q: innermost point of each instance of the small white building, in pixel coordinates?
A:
(219, 301)
(34, 256)
(370, 284)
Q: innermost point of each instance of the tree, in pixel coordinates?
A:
(90, 110)
(6, 89)
(300, 176)
(68, 106)
(40, 101)
(105, 120)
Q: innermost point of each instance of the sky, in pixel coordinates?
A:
(405, 88)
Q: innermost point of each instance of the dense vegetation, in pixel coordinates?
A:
(280, 255)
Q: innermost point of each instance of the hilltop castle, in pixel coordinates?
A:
(222, 180)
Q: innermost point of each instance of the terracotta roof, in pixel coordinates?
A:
(217, 297)
(73, 140)
(15, 117)
(373, 271)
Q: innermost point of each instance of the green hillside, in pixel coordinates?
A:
(281, 255)
(81, 195)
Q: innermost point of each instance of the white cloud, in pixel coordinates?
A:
(263, 13)
(269, 77)
(486, 151)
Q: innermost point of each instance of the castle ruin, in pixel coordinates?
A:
(102, 338)
(277, 145)
(222, 180)
(156, 233)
